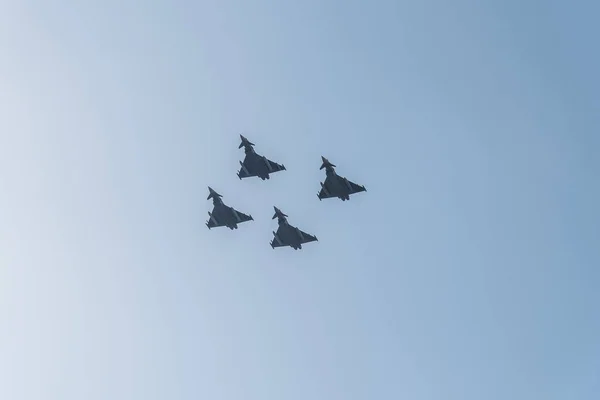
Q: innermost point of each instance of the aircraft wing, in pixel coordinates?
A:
(327, 192)
(240, 216)
(246, 171)
(307, 237)
(213, 223)
(272, 166)
(277, 243)
(355, 188)
(278, 239)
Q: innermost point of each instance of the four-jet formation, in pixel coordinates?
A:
(223, 215)
(336, 185)
(288, 235)
(260, 166)
(254, 164)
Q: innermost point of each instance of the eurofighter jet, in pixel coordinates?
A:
(288, 235)
(223, 215)
(336, 185)
(254, 164)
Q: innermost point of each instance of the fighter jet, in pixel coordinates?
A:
(288, 235)
(223, 215)
(336, 185)
(254, 164)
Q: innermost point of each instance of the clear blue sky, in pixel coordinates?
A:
(468, 271)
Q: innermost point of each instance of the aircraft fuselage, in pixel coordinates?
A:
(257, 164)
(290, 235)
(337, 185)
(225, 215)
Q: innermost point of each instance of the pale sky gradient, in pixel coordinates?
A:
(470, 270)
